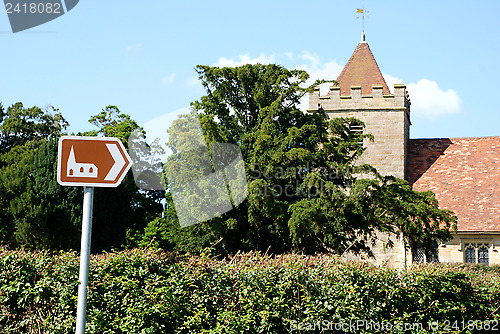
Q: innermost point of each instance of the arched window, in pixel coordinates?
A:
(477, 253)
(418, 254)
(483, 255)
(433, 256)
(470, 253)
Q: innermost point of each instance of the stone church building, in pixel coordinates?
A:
(464, 173)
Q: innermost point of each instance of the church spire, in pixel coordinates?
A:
(361, 70)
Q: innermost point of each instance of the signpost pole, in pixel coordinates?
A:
(89, 162)
(88, 199)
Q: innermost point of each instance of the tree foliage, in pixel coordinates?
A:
(36, 212)
(112, 123)
(306, 191)
(121, 213)
(20, 125)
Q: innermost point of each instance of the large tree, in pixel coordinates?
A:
(20, 125)
(305, 190)
(35, 212)
(120, 214)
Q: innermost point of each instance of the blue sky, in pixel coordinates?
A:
(141, 56)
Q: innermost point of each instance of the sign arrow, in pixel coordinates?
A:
(119, 162)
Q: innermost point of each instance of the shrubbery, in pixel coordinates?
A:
(145, 291)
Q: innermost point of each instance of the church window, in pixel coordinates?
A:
(419, 255)
(470, 253)
(483, 255)
(477, 253)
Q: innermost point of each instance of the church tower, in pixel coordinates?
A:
(362, 93)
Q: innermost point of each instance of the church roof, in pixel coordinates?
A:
(361, 70)
(464, 173)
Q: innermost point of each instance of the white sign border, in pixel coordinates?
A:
(89, 184)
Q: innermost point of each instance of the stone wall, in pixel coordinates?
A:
(394, 257)
(386, 117)
(387, 152)
(453, 250)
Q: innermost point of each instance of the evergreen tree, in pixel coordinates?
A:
(20, 125)
(305, 190)
(35, 212)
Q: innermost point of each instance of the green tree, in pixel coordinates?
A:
(112, 123)
(120, 214)
(35, 212)
(20, 125)
(46, 215)
(305, 191)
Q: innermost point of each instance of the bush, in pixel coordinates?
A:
(147, 291)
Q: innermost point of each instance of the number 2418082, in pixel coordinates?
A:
(33, 8)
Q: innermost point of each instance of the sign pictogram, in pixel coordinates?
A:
(91, 161)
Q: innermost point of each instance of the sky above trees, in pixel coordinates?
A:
(141, 57)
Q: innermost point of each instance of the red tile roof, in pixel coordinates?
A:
(361, 70)
(464, 173)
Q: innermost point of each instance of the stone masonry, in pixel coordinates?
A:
(462, 172)
(386, 117)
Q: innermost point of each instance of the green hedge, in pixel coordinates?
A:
(147, 291)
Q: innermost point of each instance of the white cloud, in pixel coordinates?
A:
(289, 55)
(168, 79)
(244, 59)
(313, 59)
(312, 65)
(317, 71)
(391, 81)
(429, 100)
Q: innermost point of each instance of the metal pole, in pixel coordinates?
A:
(363, 19)
(83, 280)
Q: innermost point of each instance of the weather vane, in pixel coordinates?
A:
(362, 11)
